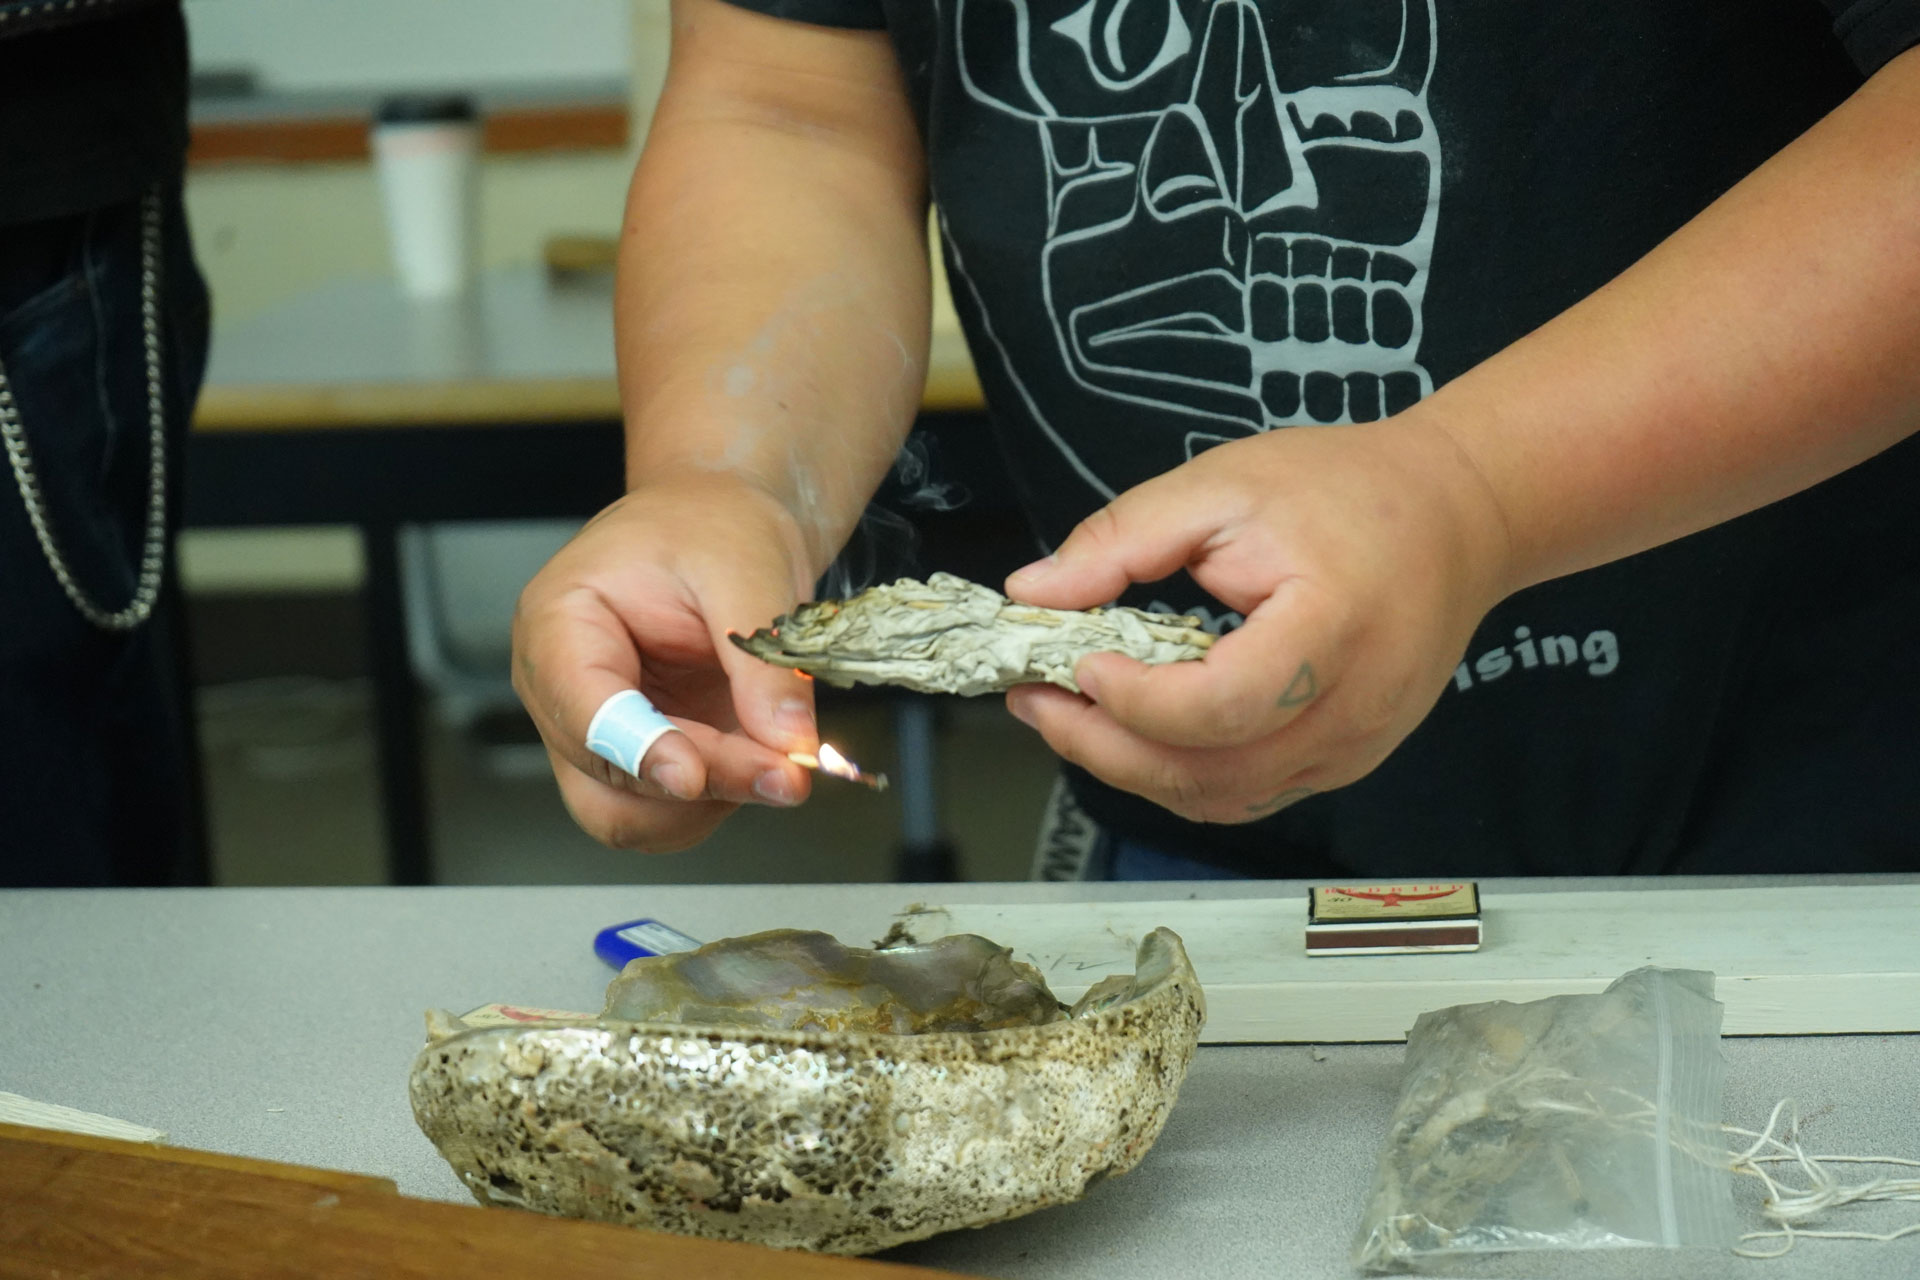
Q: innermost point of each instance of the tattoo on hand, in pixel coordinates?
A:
(1301, 689)
(1274, 804)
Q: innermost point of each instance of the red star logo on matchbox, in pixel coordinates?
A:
(1394, 895)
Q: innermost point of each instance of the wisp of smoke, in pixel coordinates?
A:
(913, 471)
(885, 545)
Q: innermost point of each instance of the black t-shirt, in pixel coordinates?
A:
(93, 104)
(1170, 223)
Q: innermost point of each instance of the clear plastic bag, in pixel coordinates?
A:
(1574, 1122)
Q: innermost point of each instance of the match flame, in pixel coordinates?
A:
(839, 766)
(831, 761)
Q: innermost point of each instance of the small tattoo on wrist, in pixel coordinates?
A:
(1301, 689)
(1273, 804)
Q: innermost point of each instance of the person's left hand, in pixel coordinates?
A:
(1362, 557)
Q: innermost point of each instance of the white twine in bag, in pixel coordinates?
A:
(1592, 1121)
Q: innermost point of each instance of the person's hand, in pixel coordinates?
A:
(1362, 557)
(643, 598)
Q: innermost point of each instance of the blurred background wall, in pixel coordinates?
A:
(266, 231)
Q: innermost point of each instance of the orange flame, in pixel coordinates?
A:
(831, 761)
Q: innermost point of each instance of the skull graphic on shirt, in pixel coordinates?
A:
(1241, 198)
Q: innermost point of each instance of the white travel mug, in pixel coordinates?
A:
(426, 151)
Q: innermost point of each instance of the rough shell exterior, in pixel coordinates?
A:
(948, 635)
(843, 1142)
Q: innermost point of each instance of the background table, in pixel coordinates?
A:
(352, 404)
(281, 1023)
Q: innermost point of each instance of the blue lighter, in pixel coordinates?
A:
(619, 943)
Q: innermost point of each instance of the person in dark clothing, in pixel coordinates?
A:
(1524, 392)
(103, 336)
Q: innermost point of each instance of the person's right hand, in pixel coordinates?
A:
(643, 598)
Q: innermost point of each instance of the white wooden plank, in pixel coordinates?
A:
(15, 1109)
(1789, 961)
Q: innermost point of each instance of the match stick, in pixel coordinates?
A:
(835, 765)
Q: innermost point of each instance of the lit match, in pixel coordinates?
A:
(832, 762)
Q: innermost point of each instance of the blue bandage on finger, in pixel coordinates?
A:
(624, 727)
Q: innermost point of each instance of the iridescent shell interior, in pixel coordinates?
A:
(789, 1090)
(812, 982)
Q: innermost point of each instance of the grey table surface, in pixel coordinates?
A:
(281, 1023)
(514, 323)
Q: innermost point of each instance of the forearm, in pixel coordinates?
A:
(772, 306)
(1768, 344)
